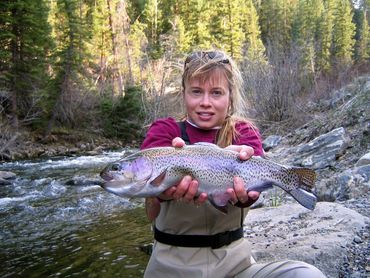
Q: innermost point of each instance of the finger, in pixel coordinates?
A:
(240, 191)
(246, 152)
(201, 199)
(192, 190)
(182, 187)
(254, 195)
(177, 142)
(168, 193)
(233, 199)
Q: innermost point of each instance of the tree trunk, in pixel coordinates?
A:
(15, 63)
(126, 31)
(116, 70)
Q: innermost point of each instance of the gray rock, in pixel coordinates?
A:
(5, 182)
(363, 171)
(271, 142)
(7, 175)
(295, 233)
(349, 184)
(364, 160)
(322, 151)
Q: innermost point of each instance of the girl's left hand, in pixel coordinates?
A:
(239, 194)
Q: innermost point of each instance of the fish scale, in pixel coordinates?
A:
(150, 172)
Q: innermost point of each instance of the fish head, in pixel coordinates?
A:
(127, 177)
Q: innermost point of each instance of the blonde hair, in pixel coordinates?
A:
(201, 64)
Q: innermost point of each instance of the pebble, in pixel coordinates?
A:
(357, 239)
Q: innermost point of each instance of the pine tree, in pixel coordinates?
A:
(71, 34)
(24, 45)
(306, 25)
(276, 18)
(152, 17)
(362, 45)
(343, 33)
(254, 47)
(227, 27)
(325, 35)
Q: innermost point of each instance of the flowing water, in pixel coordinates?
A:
(57, 221)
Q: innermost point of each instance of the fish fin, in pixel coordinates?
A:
(206, 144)
(307, 177)
(259, 186)
(159, 179)
(219, 200)
(305, 198)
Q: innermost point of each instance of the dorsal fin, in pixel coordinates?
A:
(206, 144)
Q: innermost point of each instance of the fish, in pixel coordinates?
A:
(149, 172)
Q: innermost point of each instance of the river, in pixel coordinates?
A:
(56, 221)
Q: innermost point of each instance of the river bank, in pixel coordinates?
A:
(29, 145)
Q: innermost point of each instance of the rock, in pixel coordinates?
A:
(5, 182)
(349, 184)
(84, 181)
(322, 151)
(315, 237)
(364, 160)
(271, 142)
(7, 175)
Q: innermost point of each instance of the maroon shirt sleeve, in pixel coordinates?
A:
(249, 136)
(161, 133)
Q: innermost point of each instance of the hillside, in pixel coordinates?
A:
(336, 143)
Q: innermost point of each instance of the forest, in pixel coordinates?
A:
(110, 67)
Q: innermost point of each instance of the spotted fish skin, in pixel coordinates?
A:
(150, 172)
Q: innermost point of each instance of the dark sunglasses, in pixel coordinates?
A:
(211, 55)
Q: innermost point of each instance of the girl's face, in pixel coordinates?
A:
(207, 99)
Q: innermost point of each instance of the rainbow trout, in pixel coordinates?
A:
(150, 172)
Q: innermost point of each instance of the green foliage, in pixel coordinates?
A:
(123, 116)
(343, 33)
(24, 55)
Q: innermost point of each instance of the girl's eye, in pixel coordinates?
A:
(217, 93)
(196, 92)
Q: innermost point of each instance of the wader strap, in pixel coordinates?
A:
(184, 135)
(214, 241)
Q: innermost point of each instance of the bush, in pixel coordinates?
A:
(123, 116)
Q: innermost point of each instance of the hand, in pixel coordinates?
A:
(245, 152)
(238, 193)
(187, 188)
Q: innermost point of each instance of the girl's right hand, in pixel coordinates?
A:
(187, 188)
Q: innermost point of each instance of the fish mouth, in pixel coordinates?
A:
(106, 176)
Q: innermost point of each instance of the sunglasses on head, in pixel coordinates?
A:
(211, 55)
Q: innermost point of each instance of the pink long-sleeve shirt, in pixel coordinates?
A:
(163, 131)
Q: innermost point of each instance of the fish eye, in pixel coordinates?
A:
(116, 167)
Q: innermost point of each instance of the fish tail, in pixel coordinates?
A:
(306, 177)
(306, 199)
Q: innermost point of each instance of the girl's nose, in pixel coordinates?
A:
(205, 101)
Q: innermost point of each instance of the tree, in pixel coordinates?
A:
(343, 33)
(255, 49)
(276, 18)
(362, 45)
(325, 37)
(25, 42)
(71, 34)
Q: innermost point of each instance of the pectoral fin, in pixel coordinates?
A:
(219, 200)
(159, 179)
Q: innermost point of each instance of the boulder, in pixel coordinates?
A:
(7, 175)
(292, 232)
(364, 160)
(322, 151)
(271, 142)
(349, 184)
